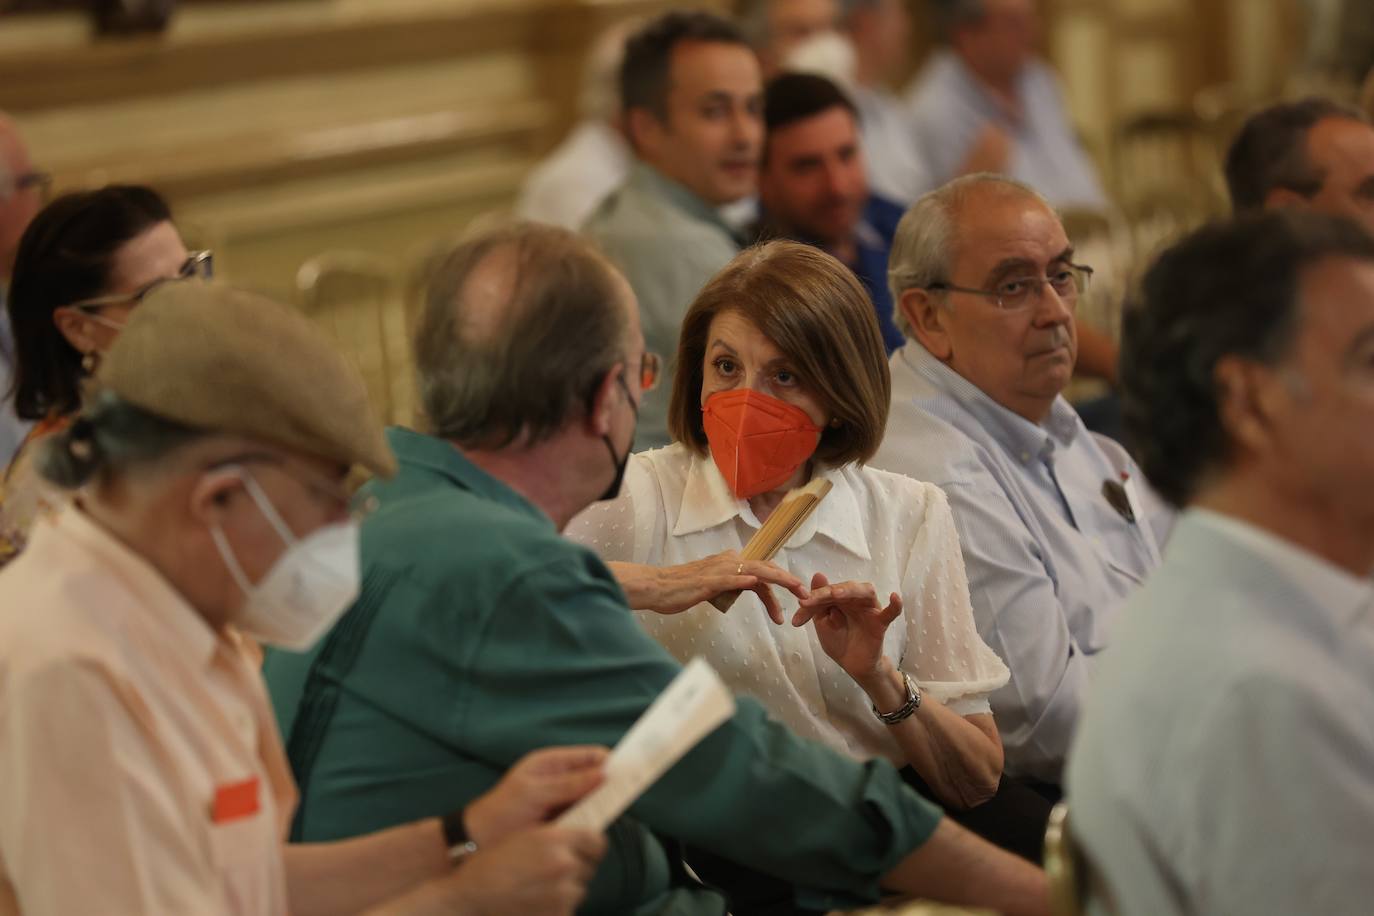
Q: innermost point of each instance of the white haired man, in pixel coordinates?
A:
(1055, 525)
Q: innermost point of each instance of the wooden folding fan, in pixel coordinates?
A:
(796, 507)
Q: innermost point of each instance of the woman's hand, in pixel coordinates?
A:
(850, 624)
(536, 789)
(674, 589)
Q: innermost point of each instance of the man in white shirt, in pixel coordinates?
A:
(1055, 531)
(1223, 763)
(880, 31)
(593, 159)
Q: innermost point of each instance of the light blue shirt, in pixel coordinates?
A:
(668, 242)
(1223, 764)
(1049, 560)
(12, 429)
(950, 108)
(891, 151)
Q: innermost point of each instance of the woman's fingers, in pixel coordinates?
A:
(856, 593)
(770, 601)
(894, 608)
(770, 573)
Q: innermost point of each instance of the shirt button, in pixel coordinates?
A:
(796, 656)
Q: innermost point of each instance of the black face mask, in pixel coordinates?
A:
(618, 462)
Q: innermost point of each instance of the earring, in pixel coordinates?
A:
(88, 363)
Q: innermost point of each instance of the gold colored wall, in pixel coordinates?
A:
(279, 129)
(368, 129)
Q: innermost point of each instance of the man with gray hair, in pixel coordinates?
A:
(988, 90)
(482, 633)
(1055, 526)
(21, 196)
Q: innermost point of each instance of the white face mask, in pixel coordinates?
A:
(306, 590)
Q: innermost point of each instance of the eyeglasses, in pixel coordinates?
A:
(357, 503)
(650, 366)
(200, 265)
(336, 495)
(40, 180)
(1016, 293)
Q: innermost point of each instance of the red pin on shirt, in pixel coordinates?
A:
(235, 800)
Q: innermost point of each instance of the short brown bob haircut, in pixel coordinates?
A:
(816, 312)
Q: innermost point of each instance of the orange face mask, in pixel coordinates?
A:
(757, 441)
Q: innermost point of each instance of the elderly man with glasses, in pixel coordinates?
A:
(1057, 527)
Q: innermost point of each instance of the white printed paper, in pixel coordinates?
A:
(688, 710)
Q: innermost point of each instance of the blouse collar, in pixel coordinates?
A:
(708, 503)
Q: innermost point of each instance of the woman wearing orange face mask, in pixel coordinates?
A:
(871, 648)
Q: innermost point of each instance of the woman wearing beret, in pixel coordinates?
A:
(141, 770)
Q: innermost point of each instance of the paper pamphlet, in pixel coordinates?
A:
(796, 507)
(688, 710)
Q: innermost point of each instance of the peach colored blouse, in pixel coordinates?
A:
(140, 766)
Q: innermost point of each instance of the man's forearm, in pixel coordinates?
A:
(349, 876)
(955, 866)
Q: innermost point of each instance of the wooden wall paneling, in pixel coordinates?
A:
(115, 70)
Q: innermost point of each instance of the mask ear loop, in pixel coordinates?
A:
(226, 552)
(231, 562)
(269, 512)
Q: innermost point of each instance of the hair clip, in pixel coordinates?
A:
(81, 439)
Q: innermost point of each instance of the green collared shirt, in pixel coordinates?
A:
(482, 634)
(668, 242)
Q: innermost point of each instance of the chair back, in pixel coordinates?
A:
(1064, 866)
(355, 297)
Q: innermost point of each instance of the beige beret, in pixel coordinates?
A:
(218, 358)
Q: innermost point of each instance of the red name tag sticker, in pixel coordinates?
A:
(235, 800)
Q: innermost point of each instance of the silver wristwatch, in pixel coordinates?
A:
(908, 708)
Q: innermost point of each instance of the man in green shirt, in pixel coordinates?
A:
(481, 633)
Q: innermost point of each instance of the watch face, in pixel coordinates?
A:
(461, 851)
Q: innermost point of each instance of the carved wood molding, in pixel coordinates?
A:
(254, 159)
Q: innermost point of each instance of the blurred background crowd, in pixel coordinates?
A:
(319, 147)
